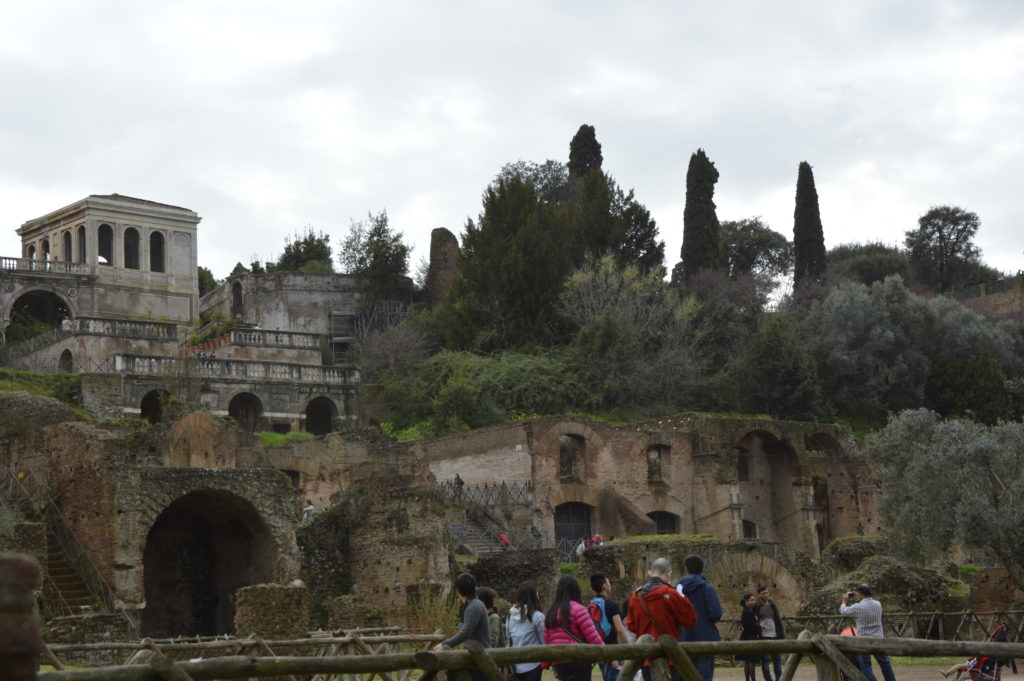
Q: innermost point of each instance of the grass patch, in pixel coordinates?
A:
(648, 538)
(272, 439)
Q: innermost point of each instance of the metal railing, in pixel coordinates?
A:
(36, 497)
(489, 494)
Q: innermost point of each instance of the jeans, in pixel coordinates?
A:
(608, 671)
(776, 662)
(705, 664)
(864, 662)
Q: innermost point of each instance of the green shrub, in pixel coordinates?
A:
(272, 439)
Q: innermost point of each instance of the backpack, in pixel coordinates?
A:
(598, 614)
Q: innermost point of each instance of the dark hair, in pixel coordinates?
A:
(465, 584)
(528, 600)
(568, 590)
(694, 564)
(597, 581)
(863, 589)
(746, 597)
(487, 595)
(761, 587)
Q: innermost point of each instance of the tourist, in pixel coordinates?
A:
(771, 628)
(525, 627)
(610, 623)
(705, 601)
(504, 541)
(307, 512)
(472, 620)
(567, 621)
(458, 484)
(750, 630)
(867, 613)
(659, 610)
(487, 596)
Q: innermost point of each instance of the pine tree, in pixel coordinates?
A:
(809, 259)
(584, 152)
(700, 223)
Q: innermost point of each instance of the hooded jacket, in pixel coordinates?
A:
(669, 611)
(709, 610)
(579, 623)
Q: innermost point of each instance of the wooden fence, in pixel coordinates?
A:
(829, 654)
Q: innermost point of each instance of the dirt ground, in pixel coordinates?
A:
(807, 673)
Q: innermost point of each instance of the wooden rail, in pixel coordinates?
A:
(828, 653)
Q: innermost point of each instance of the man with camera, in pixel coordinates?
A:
(867, 613)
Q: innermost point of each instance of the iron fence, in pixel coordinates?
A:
(489, 494)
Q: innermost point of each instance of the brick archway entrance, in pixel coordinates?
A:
(200, 549)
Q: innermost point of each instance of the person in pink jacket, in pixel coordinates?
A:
(569, 622)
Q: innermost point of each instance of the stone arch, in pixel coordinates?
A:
(247, 409)
(157, 252)
(320, 414)
(772, 497)
(665, 522)
(66, 249)
(82, 254)
(199, 550)
(130, 239)
(573, 522)
(152, 405)
(66, 362)
(36, 310)
(105, 244)
(739, 572)
(549, 447)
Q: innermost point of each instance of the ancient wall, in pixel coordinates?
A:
(484, 455)
(443, 270)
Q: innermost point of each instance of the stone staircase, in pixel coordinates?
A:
(71, 592)
(476, 540)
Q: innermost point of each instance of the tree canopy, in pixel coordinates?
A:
(942, 247)
(308, 252)
(584, 152)
(376, 255)
(949, 482)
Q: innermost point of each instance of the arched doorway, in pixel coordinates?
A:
(572, 523)
(201, 549)
(152, 406)
(66, 363)
(665, 522)
(247, 409)
(33, 313)
(320, 415)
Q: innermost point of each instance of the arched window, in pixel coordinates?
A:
(45, 253)
(31, 254)
(81, 243)
(131, 249)
(66, 251)
(749, 529)
(237, 311)
(105, 241)
(156, 252)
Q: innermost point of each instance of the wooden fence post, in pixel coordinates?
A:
(793, 661)
(20, 638)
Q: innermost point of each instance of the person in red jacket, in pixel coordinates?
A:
(658, 609)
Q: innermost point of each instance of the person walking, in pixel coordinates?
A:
(472, 620)
(525, 627)
(771, 628)
(567, 621)
(709, 610)
(867, 613)
(657, 609)
(750, 630)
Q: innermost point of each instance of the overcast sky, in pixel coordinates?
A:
(265, 117)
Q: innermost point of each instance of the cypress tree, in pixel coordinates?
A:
(700, 223)
(809, 259)
(584, 152)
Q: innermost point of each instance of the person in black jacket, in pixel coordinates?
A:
(750, 630)
(771, 628)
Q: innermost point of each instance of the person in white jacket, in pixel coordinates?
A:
(525, 627)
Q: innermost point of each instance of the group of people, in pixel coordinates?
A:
(686, 611)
